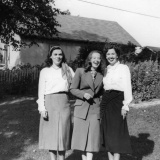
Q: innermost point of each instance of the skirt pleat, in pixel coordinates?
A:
(114, 130)
(86, 134)
(55, 133)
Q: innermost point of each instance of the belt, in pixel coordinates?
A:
(112, 90)
(62, 92)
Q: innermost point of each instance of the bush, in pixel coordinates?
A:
(145, 77)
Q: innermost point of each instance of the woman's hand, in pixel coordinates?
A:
(124, 113)
(87, 96)
(44, 114)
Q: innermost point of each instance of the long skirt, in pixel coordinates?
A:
(114, 130)
(86, 132)
(54, 133)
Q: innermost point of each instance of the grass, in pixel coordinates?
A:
(19, 125)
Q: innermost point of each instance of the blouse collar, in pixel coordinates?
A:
(114, 66)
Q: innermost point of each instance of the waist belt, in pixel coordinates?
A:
(112, 90)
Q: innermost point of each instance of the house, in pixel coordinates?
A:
(154, 49)
(74, 32)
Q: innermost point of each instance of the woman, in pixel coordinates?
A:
(53, 105)
(114, 106)
(87, 86)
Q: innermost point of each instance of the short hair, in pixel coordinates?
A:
(49, 61)
(112, 45)
(88, 65)
(117, 50)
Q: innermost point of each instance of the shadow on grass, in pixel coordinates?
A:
(19, 125)
(141, 146)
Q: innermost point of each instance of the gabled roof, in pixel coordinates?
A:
(157, 49)
(88, 29)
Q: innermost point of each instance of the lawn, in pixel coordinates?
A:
(19, 124)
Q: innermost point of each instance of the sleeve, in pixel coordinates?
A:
(72, 72)
(41, 91)
(127, 88)
(75, 85)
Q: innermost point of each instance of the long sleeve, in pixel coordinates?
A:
(41, 92)
(74, 88)
(72, 72)
(127, 88)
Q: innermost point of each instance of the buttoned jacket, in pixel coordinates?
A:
(83, 83)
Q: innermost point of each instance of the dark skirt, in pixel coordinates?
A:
(55, 133)
(114, 130)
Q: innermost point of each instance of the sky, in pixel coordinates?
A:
(145, 29)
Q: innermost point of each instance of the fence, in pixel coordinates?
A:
(19, 81)
(10, 76)
(145, 80)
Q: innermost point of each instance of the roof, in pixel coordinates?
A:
(88, 29)
(157, 49)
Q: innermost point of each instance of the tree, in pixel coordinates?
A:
(29, 18)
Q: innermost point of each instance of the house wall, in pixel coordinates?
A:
(37, 54)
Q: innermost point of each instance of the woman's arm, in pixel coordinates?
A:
(72, 72)
(41, 91)
(127, 88)
(75, 85)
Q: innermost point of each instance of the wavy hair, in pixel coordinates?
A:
(88, 65)
(66, 73)
(116, 47)
(49, 61)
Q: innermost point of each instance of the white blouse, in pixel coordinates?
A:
(118, 77)
(50, 81)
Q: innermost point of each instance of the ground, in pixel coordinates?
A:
(19, 124)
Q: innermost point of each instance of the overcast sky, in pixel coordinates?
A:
(146, 30)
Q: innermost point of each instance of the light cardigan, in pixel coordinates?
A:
(50, 81)
(118, 77)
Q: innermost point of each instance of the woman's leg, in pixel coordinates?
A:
(53, 154)
(89, 155)
(84, 157)
(61, 155)
(110, 156)
(116, 156)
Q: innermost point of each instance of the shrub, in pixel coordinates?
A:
(145, 77)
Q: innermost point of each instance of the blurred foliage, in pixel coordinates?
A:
(145, 77)
(27, 18)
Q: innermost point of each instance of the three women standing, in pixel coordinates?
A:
(53, 105)
(114, 106)
(87, 87)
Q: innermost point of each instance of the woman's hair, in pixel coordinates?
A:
(88, 65)
(116, 50)
(66, 73)
(49, 61)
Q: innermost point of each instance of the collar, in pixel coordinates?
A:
(114, 66)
